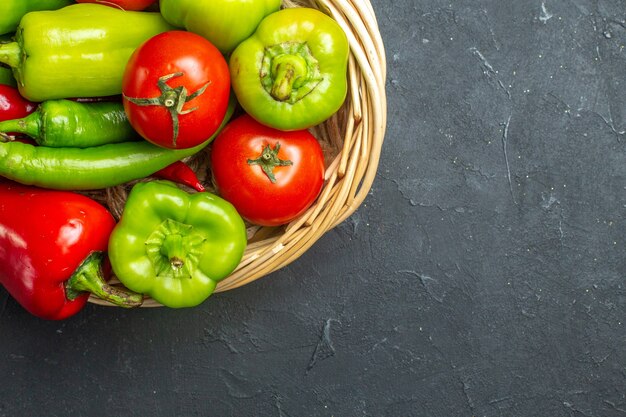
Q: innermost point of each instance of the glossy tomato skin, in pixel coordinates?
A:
(201, 65)
(124, 4)
(247, 187)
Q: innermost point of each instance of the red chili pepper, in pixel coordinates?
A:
(52, 248)
(181, 173)
(13, 105)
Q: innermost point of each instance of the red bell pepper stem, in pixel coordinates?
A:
(181, 173)
(88, 277)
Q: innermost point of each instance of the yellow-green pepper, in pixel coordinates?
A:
(77, 51)
(225, 23)
(12, 11)
(175, 246)
(291, 73)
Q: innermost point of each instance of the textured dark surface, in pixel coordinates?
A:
(483, 276)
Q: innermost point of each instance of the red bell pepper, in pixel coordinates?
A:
(52, 248)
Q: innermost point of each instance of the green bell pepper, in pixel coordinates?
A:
(225, 23)
(291, 73)
(12, 11)
(175, 246)
(77, 51)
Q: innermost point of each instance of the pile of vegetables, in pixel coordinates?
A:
(96, 94)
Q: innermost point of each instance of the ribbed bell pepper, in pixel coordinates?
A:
(175, 246)
(77, 51)
(291, 74)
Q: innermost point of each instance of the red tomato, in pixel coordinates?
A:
(123, 4)
(270, 176)
(175, 89)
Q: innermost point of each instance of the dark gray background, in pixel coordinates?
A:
(483, 276)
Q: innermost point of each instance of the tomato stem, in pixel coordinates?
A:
(268, 160)
(172, 99)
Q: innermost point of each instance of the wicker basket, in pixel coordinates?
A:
(352, 140)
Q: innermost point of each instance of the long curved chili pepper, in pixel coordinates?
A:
(84, 168)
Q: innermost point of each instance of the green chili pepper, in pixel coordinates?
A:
(77, 51)
(12, 11)
(175, 246)
(68, 123)
(292, 73)
(223, 22)
(84, 168)
(90, 168)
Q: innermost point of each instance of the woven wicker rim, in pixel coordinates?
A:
(352, 140)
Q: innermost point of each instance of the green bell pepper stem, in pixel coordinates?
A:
(10, 54)
(6, 77)
(291, 73)
(6, 74)
(90, 168)
(78, 51)
(88, 278)
(68, 123)
(287, 70)
(12, 11)
(175, 246)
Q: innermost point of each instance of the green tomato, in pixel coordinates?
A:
(225, 23)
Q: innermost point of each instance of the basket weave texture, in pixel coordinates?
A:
(352, 141)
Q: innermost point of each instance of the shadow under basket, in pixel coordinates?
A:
(352, 140)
